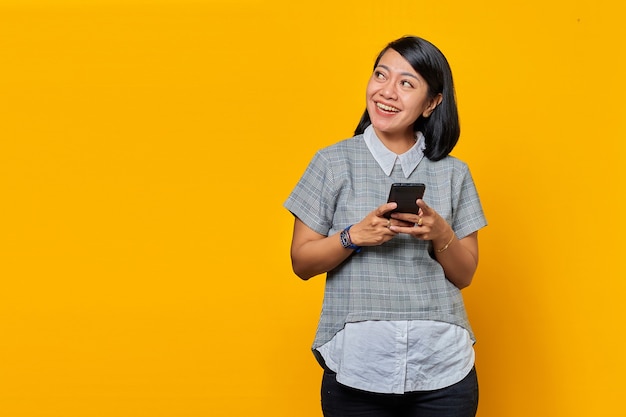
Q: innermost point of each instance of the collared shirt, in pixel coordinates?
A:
(397, 283)
(404, 355)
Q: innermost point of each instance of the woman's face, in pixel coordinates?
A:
(396, 96)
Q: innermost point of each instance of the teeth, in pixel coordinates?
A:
(386, 108)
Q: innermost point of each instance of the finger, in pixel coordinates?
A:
(426, 210)
(386, 208)
(402, 223)
(404, 227)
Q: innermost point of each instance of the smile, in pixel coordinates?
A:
(387, 108)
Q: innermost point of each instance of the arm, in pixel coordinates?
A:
(313, 253)
(460, 258)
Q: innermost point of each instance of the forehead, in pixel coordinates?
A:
(394, 62)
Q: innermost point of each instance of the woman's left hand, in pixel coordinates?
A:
(428, 224)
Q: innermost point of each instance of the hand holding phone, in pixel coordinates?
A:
(405, 195)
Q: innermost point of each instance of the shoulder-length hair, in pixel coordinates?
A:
(442, 129)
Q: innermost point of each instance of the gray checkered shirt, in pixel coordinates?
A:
(398, 280)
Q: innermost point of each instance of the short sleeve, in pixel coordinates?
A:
(468, 215)
(313, 200)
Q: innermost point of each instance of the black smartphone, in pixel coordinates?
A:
(405, 194)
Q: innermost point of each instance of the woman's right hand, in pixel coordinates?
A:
(373, 230)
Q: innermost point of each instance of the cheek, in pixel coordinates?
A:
(369, 90)
(369, 94)
(417, 106)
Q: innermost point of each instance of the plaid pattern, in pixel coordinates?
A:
(398, 280)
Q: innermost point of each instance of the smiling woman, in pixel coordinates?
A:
(412, 80)
(393, 325)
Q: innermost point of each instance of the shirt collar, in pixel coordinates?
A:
(387, 159)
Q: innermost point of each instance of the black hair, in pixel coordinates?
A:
(442, 129)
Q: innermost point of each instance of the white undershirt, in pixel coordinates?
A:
(395, 357)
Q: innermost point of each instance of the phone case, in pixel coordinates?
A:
(405, 194)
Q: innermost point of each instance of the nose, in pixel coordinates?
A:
(389, 91)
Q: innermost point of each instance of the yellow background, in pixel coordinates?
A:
(146, 150)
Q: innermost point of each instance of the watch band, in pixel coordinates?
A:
(346, 241)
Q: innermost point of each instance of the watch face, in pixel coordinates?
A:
(345, 239)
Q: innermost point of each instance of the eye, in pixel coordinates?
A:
(406, 83)
(379, 75)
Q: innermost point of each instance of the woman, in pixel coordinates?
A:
(393, 336)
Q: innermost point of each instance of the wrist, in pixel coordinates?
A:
(444, 246)
(346, 240)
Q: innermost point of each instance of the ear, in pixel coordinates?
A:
(434, 102)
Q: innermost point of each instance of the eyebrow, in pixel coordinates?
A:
(407, 74)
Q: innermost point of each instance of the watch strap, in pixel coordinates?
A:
(346, 240)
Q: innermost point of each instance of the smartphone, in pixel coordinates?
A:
(405, 194)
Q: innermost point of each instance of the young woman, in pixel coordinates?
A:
(393, 336)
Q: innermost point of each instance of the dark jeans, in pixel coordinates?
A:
(458, 400)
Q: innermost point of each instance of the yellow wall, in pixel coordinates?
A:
(147, 146)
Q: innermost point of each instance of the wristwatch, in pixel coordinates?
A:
(346, 242)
